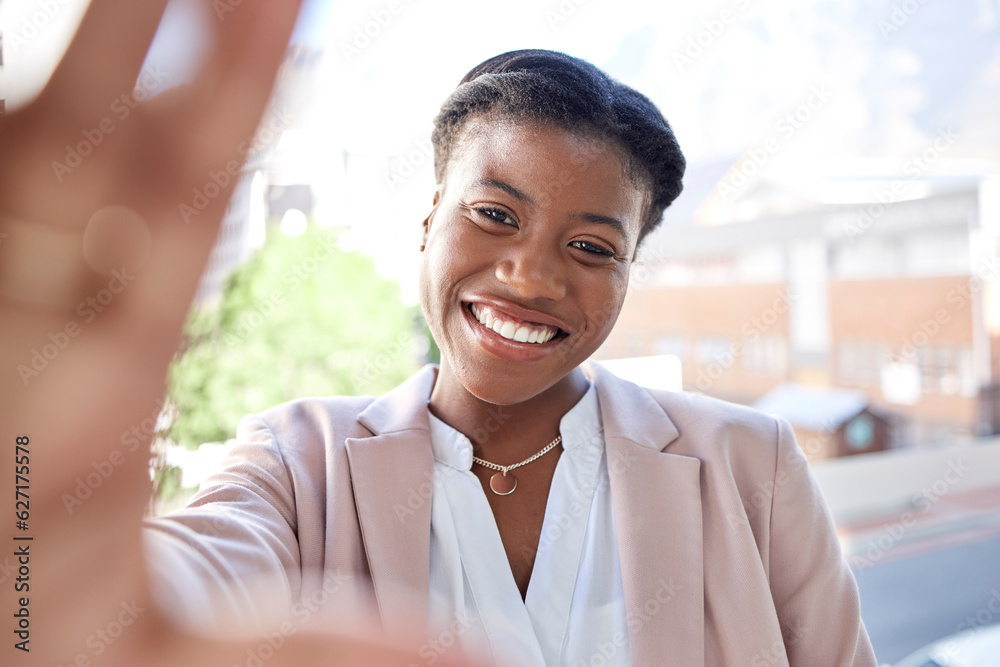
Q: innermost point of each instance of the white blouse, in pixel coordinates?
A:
(573, 614)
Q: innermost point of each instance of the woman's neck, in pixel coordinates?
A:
(505, 434)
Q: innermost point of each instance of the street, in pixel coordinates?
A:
(911, 602)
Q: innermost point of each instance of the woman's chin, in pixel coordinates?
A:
(507, 388)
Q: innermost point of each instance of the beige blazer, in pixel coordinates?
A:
(729, 555)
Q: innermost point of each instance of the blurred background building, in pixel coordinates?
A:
(892, 300)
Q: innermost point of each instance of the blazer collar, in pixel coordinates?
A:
(627, 410)
(657, 508)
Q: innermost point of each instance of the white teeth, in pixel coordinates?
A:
(521, 334)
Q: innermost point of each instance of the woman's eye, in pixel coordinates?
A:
(593, 248)
(497, 215)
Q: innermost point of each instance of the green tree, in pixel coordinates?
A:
(301, 318)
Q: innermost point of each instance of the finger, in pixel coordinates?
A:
(104, 59)
(217, 130)
(251, 39)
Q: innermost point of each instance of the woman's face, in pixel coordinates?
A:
(527, 255)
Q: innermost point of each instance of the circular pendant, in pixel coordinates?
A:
(503, 485)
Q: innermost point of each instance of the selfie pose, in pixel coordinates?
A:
(516, 499)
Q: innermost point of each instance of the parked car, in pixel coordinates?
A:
(979, 647)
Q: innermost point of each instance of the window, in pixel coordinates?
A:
(947, 371)
(635, 344)
(767, 355)
(672, 344)
(860, 433)
(713, 350)
(860, 362)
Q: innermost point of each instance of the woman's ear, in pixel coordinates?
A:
(427, 228)
(430, 216)
(427, 222)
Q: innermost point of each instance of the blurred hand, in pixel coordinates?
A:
(98, 267)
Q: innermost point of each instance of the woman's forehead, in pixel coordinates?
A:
(547, 163)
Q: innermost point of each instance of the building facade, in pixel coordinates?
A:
(894, 299)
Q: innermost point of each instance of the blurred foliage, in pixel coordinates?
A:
(301, 318)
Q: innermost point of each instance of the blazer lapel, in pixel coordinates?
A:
(658, 522)
(392, 474)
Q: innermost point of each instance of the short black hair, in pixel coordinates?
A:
(550, 86)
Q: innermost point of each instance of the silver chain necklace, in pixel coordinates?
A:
(503, 484)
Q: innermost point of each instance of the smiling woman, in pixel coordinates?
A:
(516, 500)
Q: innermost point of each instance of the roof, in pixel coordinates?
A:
(813, 408)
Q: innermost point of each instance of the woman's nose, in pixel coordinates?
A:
(534, 273)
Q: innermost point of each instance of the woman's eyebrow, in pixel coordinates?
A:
(506, 187)
(595, 218)
(617, 224)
